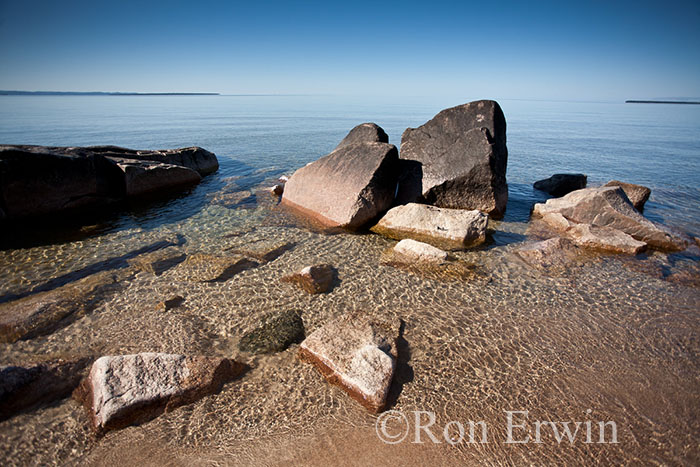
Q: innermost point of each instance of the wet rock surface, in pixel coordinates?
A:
(277, 331)
(159, 261)
(552, 253)
(201, 267)
(414, 251)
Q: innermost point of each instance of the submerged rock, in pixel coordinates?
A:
(457, 160)
(25, 386)
(604, 239)
(276, 332)
(159, 261)
(561, 184)
(172, 302)
(347, 188)
(358, 354)
(201, 267)
(553, 253)
(609, 207)
(415, 251)
(130, 389)
(313, 279)
(263, 250)
(637, 194)
(438, 226)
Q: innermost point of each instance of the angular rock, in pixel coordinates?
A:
(146, 177)
(438, 226)
(276, 332)
(364, 133)
(22, 387)
(347, 188)
(419, 251)
(457, 160)
(610, 207)
(131, 389)
(195, 158)
(44, 312)
(159, 261)
(637, 194)
(556, 252)
(358, 354)
(561, 184)
(313, 279)
(201, 267)
(604, 239)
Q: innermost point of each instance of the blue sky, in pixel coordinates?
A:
(532, 50)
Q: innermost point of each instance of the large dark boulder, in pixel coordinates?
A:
(561, 184)
(457, 160)
(349, 187)
(38, 180)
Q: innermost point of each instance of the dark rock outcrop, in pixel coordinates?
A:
(313, 279)
(347, 188)
(131, 389)
(561, 184)
(37, 181)
(276, 332)
(457, 160)
(637, 194)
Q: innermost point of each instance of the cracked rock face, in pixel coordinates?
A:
(126, 389)
(358, 354)
(457, 160)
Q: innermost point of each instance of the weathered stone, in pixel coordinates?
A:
(159, 261)
(131, 389)
(147, 177)
(276, 332)
(604, 239)
(561, 184)
(364, 133)
(438, 226)
(556, 252)
(313, 279)
(44, 312)
(195, 158)
(637, 194)
(610, 207)
(347, 188)
(416, 251)
(202, 267)
(22, 387)
(358, 354)
(457, 160)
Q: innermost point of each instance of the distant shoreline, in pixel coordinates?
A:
(99, 93)
(660, 102)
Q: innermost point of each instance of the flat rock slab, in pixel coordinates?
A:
(415, 251)
(604, 239)
(313, 279)
(610, 207)
(201, 267)
(44, 312)
(159, 261)
(561, 184)
(347, 188)
(552, 253)
(358, 354)
(442, 227)
(637, 194)
(263, 250)
(130, 389)
(276, 332)
(25, 386)
(457, 160)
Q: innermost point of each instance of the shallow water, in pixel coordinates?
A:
(611, 335)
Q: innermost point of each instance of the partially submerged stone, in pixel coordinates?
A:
(416, 251)
(454, 228)
(637, 194)
(202, 267)
(170, 303)
(555, 252)
(358, 354)
(610, 207)
(561, 184)
(313, 279)
(457, 160)
(25, 386)
(264, 250)
(131, 389)
(143, 177)
(604, 239)
(276, 332)
(159, 261)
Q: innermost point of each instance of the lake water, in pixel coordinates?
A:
(613, 334)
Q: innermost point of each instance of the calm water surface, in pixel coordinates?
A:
(612, 334)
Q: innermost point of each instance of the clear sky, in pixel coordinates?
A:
(601, 50)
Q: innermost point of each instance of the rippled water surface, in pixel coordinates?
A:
(611, 338)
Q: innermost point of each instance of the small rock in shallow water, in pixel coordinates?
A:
(131, 389)
(159, 261)
(276, 332)
(264, 251)
(277, 190)
(210, 268)
(358, 354)
(556, 252)
(169, 304)
(419, 251)
(313, 279)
